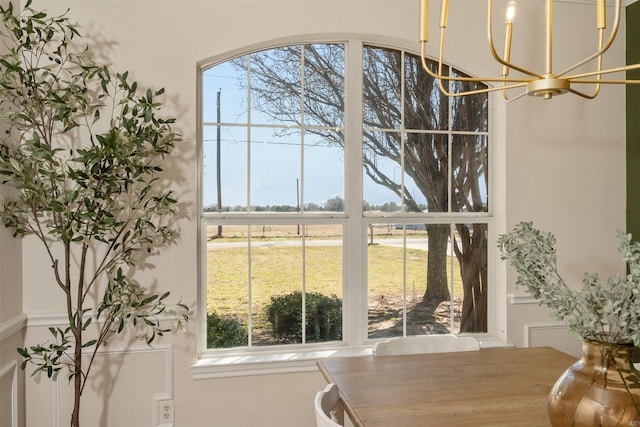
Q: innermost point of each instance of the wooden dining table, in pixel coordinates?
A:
(490, 387)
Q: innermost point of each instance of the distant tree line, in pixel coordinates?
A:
(332, 204)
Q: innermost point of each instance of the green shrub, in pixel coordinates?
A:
(225, 331)
(323, 317)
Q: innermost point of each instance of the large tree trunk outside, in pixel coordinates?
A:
(437, 283)
(473, 266)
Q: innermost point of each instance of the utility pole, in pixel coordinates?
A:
(298, 200)
(219, 162)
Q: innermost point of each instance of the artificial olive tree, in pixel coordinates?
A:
(83, 146)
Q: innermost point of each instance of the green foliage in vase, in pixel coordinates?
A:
(83, 147)
(606, 310)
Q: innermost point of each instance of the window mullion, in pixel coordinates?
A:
(403, 133)
(449, 147)
(300, 190)
(249, 288)
(249, 133)
(354, 271)
(250, 322)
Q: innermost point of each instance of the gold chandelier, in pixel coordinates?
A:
(544, 84)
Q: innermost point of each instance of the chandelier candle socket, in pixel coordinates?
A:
(544, 84)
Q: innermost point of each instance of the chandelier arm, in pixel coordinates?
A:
(584, 95)
(549, 37)
(504, 95)
(598, 80)
(609, 82)
(603, 49)
(485, 90)
(596, 89)
(574, 78)
(441, 76)
(441, 51)
(492, 47)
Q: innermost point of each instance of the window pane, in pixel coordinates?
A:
(469, 112)
(382, 174)
(324, 85)
(275, 170)
(425, 107)
(270, 275)
(381, 88)
(323, 172)
(233, 169)
(423, 316)
(323, 282)
(472, 240)
(276, 80)
(386, 296)
(414, 199)
(426, 161)
(225, 82)
(227, 286)
(276, 284)
(469, 164)
(404, 296)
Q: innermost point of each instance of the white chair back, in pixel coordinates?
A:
(328, 413)
(425, 344)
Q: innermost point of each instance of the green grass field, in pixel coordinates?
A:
(278, 270)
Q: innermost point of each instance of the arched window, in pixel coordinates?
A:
(343, 199)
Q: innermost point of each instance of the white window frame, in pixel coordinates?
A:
(216, 363)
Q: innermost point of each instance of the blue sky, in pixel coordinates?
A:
(276, 159)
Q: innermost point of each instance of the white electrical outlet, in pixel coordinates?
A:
(163, 411)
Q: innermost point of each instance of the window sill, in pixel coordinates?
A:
(247, 364)
(272, 363)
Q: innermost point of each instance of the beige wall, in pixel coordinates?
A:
(12, 319)
(12, 323)
(559, 163)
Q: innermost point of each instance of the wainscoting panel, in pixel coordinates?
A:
(9, 395)
(119, 393)
(553, 334)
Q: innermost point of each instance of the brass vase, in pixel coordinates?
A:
(601, 389)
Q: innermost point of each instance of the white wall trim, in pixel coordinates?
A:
(46, 319)
(521, 299)
(55, 404)
(263, 364)
(169, 373)
(12, 369)
(529, 328)
(278, 363)
(12, 326)
(61, 319)
(53, 319)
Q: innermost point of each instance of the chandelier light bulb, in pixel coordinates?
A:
(511, 12)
